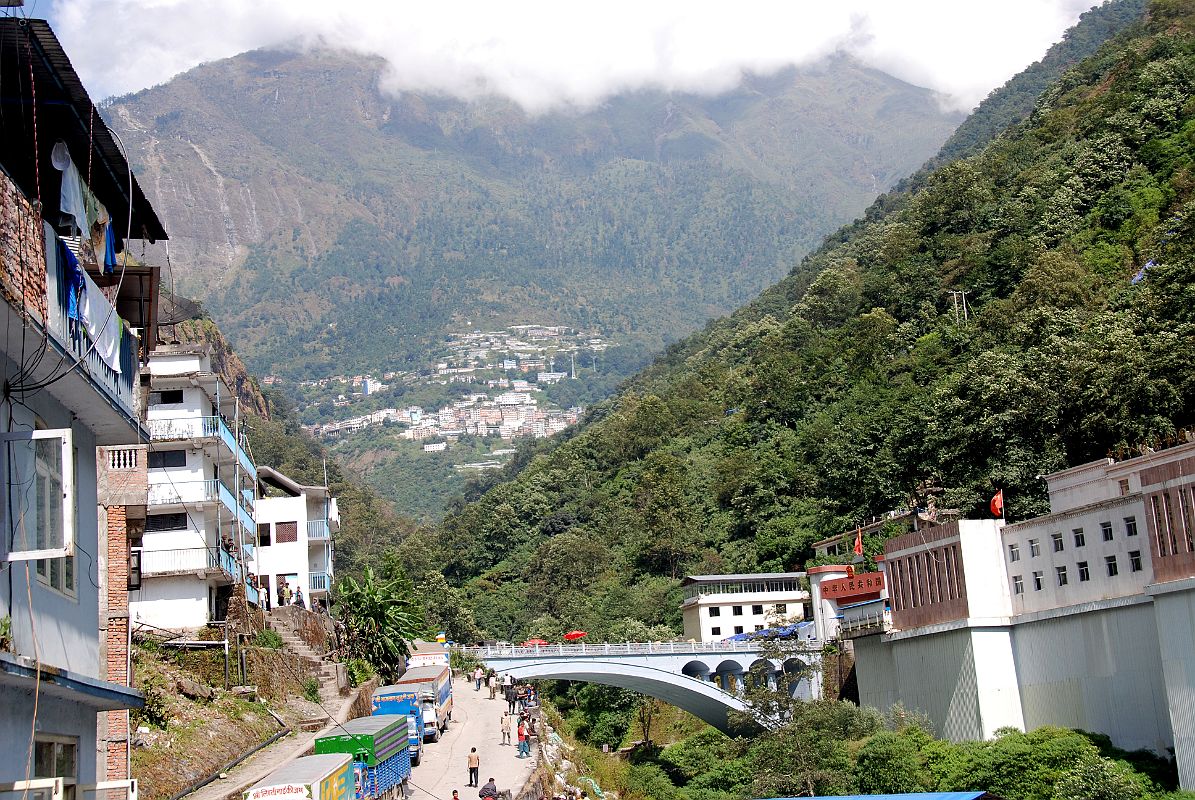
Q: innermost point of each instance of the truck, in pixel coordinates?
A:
(404, 701)
(378, 748)
(433, 686)
(322, 777)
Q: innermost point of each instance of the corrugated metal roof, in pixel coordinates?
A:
(64, 111)
(305, 770)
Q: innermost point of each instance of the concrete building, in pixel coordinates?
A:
(296, 526)
(200, 529)
(1084, 617)
(718, 606)
(75, 334)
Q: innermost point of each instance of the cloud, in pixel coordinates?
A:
(546, 54)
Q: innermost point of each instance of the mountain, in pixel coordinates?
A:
(856, 385)
(330, 227)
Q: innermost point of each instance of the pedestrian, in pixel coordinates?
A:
(456, 795)
(524, 749)
(299, 597)
(493, 682)
(281, 592)
(512, 697)
(506, 729)
(474, 765)
(490, 790)
(477, 673)
(286, 594)
(507, 681)
(522, 696)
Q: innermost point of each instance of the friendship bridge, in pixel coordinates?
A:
(703, 678)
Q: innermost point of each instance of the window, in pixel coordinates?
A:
(169, 397)
(1056, 538)
(1123, 484)
(1060, 572)
(736, 610)
(738, 628)
(286, 532)
(1018, 584)
(1135, 560)
(167, 458)
(757, 610)
(758, 627)
(263, 534)
(1130, 526)
(1084, 572)
(1037, 575)
(42, 462)
(1106, 529)
(166, 522)
(1034, 548)
(1014, 552)
(57, 757)
(716, 631)
(1110, 563)
(782, 608)
(1080, 539)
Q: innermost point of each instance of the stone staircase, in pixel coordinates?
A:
(314, 665)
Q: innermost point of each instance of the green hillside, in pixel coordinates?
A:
(852, 387)
(329, 227)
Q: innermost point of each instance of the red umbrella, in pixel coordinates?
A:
(533, 642)
(574, 635)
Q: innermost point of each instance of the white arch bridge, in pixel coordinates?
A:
(703, 678)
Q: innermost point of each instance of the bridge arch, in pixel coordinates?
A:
(696, 669)
(698, 697)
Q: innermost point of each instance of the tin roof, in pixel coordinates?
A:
(306, 770)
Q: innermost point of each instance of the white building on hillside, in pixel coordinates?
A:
(718, 606)
(295, 529)
(200, 525)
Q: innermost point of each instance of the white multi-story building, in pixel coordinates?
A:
(1083, 617)
(200, 528)
(295, 529)
(718, 606)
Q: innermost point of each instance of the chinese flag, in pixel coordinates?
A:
(997, 504)
(858, 540)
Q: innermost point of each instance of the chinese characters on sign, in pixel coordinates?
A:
(862, 584)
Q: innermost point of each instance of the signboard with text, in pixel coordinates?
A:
(864, 583)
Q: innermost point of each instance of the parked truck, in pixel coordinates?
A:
(378, 748)
(403, 701)
(322, 777)
(433, 686)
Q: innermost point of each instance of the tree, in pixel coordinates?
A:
(1096, 778)
(445, 610)
(378, 620)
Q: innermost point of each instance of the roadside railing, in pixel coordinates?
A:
(617, 649)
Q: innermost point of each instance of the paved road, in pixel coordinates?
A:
(476, 722)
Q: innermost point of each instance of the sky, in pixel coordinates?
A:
(546, 55)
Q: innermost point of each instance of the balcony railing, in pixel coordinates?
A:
(184, 492)
(865, 619)
(115, 376)
(171, 428)
(251, 595)
(187, 559)
(319, 582)
(317, 530)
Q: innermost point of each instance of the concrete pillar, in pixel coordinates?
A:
(825, 612)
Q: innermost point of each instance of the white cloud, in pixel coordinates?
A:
(543, 54)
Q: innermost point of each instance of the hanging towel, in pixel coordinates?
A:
(72, 276)
(70, 198)
(109, 249)
(102, 323)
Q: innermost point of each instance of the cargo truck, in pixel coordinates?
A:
(433, 685)
(404, 701)
(323, 777)
(378, 748)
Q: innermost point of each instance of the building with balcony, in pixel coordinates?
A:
(201, 526)
(1083, 617)
(78, 323)
(718, 606)
(295, 529)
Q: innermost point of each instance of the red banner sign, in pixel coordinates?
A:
(861, 584)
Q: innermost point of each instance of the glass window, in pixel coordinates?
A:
(1110, 563)
(1135, 560)
(1056, 538)
(1080, 539)
(1037, 575)
(169, 397)
(782, 608)
(716, 631)
(167, 458)
(1106, 529)
(736, 610)
(1130, 526)
(757, 609)
(759, 627)
(263, 534)
(715, 611)
(738, 628)
(166, 522)
(1084, 572)
(1034, 548)
(1014, 552)
(57, 757)
(57, 573)
(1018, 584)
(1060, 572)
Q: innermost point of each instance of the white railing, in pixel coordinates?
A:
(317, 530)
(123, 458)
(868, 622)
(173, 493)
(617, 649)
(319, 582)
(190, 559)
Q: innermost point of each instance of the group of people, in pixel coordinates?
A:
(289, 597)
(524, 730)
(517, 695)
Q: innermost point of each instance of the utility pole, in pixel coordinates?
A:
(573, 360)
(956, 295)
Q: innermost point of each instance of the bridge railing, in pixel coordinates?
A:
(616, 649)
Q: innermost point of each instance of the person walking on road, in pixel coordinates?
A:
(506, 729)
(524, 749)
(477, 674)
(492, 681)
(512, 697)
(474, 765)
(490, 790)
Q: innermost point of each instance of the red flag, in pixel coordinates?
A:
(858, 540)
(997, 504)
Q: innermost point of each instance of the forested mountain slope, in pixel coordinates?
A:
(330, 227)
(852, 387)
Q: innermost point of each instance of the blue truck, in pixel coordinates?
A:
(432, 685)
(402, 701)
(381, 761)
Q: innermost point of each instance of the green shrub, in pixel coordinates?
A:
(268, 638)
(311, 690)
(359, 671)
(155, 712)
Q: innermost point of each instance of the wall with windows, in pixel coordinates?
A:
(65, 731)
(282, 522)
(714, 611)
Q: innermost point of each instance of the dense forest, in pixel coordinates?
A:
(856, 385)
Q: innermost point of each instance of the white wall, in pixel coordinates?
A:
(173, 602)
(288, 558)
(1174, 609)
(700, 625)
